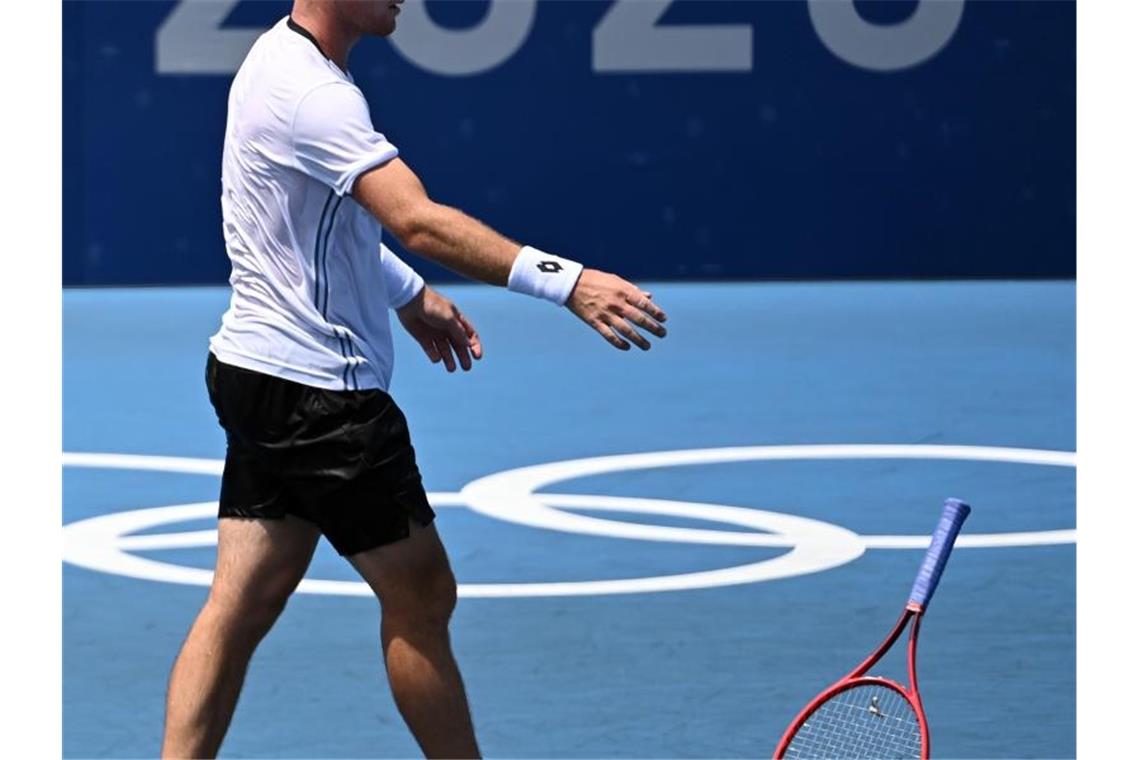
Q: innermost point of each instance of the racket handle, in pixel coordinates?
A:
(954, 513)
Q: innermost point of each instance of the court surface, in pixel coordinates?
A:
(680, 604)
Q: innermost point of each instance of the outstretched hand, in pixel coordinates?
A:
(613, 307)
(441, 329)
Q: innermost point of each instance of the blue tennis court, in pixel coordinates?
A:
(794, 442)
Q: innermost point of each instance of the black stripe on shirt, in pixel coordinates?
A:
(352, 348)
(317, 253)
(322, 258)
(325, 255)
(347, 363)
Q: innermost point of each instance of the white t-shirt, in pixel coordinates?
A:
(312, 283)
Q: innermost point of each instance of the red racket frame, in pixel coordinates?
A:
(857, 678)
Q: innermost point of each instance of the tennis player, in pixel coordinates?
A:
(298, 372)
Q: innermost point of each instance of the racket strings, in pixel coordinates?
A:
(866, 721)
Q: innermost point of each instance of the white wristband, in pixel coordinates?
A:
(543, 275)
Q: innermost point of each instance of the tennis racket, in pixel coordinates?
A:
(862, 716)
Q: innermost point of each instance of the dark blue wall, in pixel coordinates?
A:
(804, 166)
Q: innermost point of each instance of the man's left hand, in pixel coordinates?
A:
(441, 329)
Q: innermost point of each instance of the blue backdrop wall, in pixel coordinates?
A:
(658, 139)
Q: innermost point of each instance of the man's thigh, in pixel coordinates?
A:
(261, 560)
(411, 571)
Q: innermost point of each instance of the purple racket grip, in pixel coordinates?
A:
(954, 513)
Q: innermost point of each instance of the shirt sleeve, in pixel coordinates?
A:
(333, 137)
(402, 282)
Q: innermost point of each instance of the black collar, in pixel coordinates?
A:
(306, 34)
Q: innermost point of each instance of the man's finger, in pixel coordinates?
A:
(630, 333)
(428, 345)
(444, 349)
(459, 345)
(457, 336)
(642, 320)
(611, 335)
(472, 337)
(645, 302)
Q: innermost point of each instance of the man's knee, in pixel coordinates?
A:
(426, 600)
(442, 596)
(250, 611)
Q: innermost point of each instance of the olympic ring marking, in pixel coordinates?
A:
(99, 543)
(510, 495)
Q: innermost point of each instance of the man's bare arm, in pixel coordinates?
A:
(394, 195)
(447, 236)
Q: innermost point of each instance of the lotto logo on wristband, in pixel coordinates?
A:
(555, 276)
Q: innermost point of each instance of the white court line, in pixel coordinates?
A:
(977, 540)
(143, 462)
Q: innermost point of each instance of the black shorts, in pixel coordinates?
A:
(342, 460)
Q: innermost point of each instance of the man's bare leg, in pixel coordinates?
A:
(260, 563)
(413, 580)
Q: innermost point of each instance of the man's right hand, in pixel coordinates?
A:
(613, 307)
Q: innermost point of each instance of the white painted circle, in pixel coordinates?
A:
(510, 495)
(104, 543)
